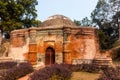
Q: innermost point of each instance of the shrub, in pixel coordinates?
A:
(53, 72)
(110, 73)
(84, 67)
(62, 71)
(16, 72)
(7, 65)
(91, 68)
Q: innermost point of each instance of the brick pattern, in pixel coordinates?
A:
(70, 43)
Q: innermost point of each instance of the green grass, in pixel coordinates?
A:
(84, 76)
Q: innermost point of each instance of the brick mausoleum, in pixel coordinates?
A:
(57, 40)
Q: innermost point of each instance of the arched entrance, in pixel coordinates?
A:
(49, 56)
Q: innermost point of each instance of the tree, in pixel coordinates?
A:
(115, 10)
(105, 16)
(15, 14)
(116, 22)
(100, 13)
(103, 39)
(78, 23)
(36, 23)
(86, 22)
(114, 6)
(104, 12)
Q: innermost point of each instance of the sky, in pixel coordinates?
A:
(74, 9)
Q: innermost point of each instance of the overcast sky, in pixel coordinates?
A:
(74, 9)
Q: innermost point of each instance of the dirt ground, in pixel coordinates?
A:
(84, 76)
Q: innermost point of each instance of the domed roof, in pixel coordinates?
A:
(58, 21)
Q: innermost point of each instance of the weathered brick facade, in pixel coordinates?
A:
(58, 40)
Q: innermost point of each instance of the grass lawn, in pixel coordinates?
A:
(84, 76)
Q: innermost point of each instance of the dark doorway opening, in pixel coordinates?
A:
(49, 56)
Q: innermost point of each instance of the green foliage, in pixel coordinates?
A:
(78, 23)
(106, 17)
(104, 13)
(17, 13)
(86, 22)
(36, 23)
(103, 39)
(100, 13)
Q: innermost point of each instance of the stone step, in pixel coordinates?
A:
(5, 59)
(102, 61)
